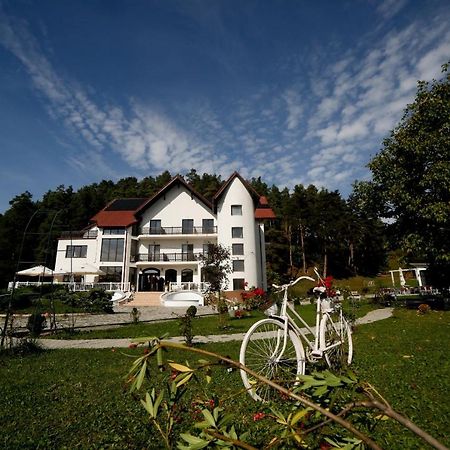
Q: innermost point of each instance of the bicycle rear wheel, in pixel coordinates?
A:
(336, 341)
(260, 352)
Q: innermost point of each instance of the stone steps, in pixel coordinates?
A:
(146, 299)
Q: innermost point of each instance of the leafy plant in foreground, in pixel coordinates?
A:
(318, 416)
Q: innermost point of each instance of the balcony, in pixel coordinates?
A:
(167, 257)
(90, 234)
(158, 231)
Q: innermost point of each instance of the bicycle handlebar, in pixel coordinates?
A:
(292, 283)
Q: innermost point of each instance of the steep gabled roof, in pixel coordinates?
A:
(262, 208)
(178, 179)
(120, 212)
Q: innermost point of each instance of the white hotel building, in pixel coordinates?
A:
(151, 244)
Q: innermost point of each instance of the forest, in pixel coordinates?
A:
(313, 226)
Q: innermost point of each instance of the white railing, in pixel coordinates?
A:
(75, 286)
(188, 286)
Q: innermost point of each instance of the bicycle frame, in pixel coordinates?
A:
(322, 309)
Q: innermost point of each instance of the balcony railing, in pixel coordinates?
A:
(167, 257)
(178, 230)
(91, 234)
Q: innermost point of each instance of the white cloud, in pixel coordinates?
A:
(389, 8)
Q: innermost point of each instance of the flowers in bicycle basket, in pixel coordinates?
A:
(327, 283)
(254, 298)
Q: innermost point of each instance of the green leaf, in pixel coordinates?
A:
(185, 379)
(180, 367)
(208, 417)
(299, 415)
(140, 377)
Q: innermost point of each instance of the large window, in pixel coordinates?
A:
(155, 226)
(208, 225)
(238, 265)
(154, 252)
(187, 226)
(112, 274)
(237, 249)
(237, 232)
(236, 210)
(112, 250)
(109, 231)
(187, 275)
(238, 284)
(187, 251)
(76, 251)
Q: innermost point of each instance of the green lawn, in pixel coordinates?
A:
(76, 398)
(204, 326)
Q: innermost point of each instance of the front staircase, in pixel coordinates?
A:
(145, 299)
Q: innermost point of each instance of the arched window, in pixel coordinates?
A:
(187, 275)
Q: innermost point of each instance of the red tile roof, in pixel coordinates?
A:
(105, 219)
(264, 213)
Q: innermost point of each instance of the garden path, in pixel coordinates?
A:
(372, 316)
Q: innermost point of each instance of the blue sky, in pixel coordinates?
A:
(292, 91)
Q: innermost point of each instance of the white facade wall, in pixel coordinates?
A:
(74, 265)
(175, 205)
(237, 194)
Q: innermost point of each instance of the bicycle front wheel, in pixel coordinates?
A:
(336, 341)
(261, 351)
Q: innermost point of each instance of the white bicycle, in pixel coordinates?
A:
(273, 347)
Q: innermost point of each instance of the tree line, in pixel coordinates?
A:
(313, 226)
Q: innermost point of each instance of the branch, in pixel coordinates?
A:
(236, 442)
(388, 411)
(344, 423)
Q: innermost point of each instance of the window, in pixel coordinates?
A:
(238, 265)
(238, 284)
(237, 249)
(187, 251)
(187, 276)
(206, 249)
(208, 225)
(155, 226)
(154, 252)
(112, 274)
(112, 250)
(76, 251)
(236, 210)
(108, 231)
(187, 226)
(237, 232)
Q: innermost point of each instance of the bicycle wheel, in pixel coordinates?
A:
(334, 332)
(260, 352)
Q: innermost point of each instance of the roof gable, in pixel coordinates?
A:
(262, 208)
(176, 181)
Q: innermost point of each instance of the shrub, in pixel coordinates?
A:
(36, 323)
(95, 300)
(186, 325)
(135, 314)
(423, 308)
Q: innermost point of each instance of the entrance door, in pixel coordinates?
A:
(149, 280)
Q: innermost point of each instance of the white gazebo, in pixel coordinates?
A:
(418, 270)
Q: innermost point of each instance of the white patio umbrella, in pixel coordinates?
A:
(36, 271)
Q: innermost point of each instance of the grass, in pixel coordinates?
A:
(206, 325)
(76, 398)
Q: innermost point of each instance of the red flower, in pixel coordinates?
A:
(258, 416)
(132, 346)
